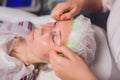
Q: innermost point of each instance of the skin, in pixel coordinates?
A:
(65, 11)
(39, 47)
(36, 47)
(70, 8)
(41, 41)
(70, 67)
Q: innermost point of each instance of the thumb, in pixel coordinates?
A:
(68, 15)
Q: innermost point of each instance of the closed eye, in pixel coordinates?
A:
(56, 36)
(55, 24)
(54, 33)
(53, 38)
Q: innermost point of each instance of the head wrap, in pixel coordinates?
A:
(81, 39)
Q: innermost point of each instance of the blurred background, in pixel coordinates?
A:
(44, 7)
(38, 7)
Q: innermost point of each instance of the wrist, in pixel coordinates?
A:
(91, 76)
(86, 74)
(92, 5)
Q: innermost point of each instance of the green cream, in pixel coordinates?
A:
(61, 54)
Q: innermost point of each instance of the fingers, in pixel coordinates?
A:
(54, 57)
(68, 54)
(56, 61)
(69, 15)
(60, 9)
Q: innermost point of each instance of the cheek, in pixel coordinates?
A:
(41, 49)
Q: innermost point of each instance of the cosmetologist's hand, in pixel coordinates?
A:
(71, 66)
(67, 10)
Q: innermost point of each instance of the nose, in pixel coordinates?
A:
(45, 30)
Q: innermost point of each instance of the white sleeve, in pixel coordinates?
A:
(107, 5)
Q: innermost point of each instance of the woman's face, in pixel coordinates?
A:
(48, 36)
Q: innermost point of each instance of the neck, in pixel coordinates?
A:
(20, 50)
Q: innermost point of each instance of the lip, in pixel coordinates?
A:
(32, 35)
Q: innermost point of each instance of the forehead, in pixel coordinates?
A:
(65, 27)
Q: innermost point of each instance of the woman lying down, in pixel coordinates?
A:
(24, 49)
